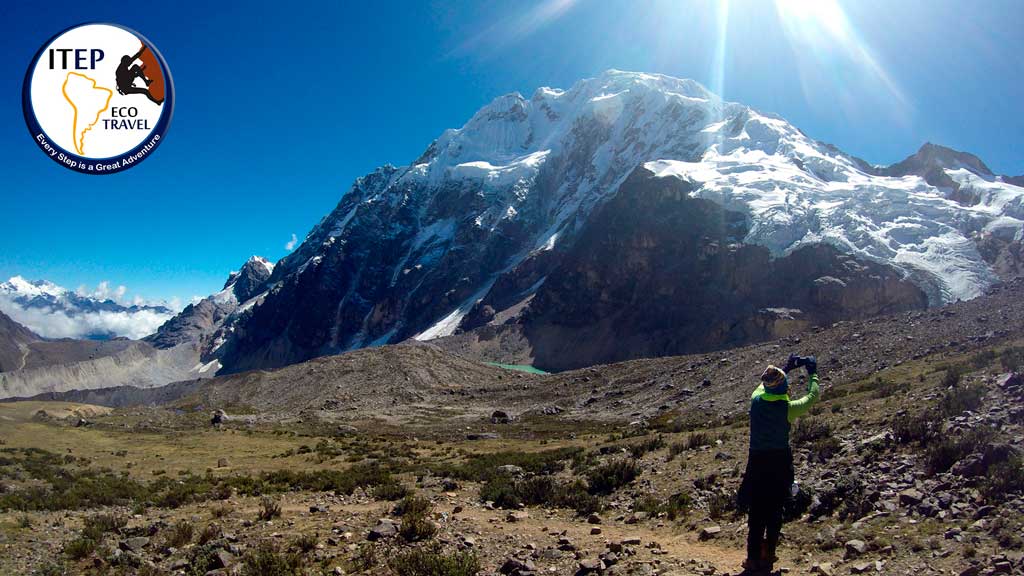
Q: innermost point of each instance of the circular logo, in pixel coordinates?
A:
(98, 98)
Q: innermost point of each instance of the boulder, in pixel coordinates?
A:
(709, 532)
(855, 548)
(823, 568)
(500, 417)
(385, 528)
(517, 516)
(135, 544)
(590, 566)
(911, 497)
(510, 470)
(515, 566)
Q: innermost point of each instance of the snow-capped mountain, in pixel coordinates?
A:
(53, 311)
(478, 223)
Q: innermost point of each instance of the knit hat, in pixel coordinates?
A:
(774, 380)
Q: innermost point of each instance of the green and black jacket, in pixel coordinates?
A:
(772, 414)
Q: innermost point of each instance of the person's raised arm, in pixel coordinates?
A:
(798, 408)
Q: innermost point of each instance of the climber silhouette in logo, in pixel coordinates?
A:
(128, 71)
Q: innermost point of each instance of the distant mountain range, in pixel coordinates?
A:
(31, 364)
(56, 312)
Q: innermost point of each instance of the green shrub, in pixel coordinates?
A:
(508, 493)
(365, 558)
(1003, 479)
(97, 525)
(482, 467)
(267, 560)
(412, 504)
(304, 543)
(720, 504)
(180, 534)
(61, 488)
(914, 428)
(390, 491)
(502, 491)
(432, 561)
(807, 430)
(886, 388)
(649, 445)
(672, 507)
(707, 482)
(823, 449)
(269, 508)
(611, 476)
(697, 440)
(202, 559)
(983, 358)
(80, 547)
(953, 375)
(1012, 359)
(210, 532)
(959, 400)
(942, 453)
(675, 449)
(417, 527)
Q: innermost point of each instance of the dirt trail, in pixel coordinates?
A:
(676, 543)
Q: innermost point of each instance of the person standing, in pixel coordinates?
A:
(769, 474)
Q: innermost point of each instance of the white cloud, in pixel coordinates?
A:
(291, 243)
(53, 323)
(103, 291)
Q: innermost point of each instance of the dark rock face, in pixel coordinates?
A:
(655, 272)
(931, 156)
(1004, 254)
(13, 343)
(193, 324)
(930, 163)
(198, 322)
(408, 257)
(251, 279)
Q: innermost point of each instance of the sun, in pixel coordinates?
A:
(815, 17)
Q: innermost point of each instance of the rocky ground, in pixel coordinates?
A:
(911, 464)
(878, 494)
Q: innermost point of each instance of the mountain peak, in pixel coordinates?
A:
(260, 261)
(248, 281)
(18, 285)
(935, 156)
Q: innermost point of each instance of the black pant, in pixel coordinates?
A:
(765, 489)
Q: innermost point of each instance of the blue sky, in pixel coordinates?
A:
(281, 105)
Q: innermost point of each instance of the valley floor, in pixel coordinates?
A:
(913, 470)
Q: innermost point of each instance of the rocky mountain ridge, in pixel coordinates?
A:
(474, 228)
(414, 382)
